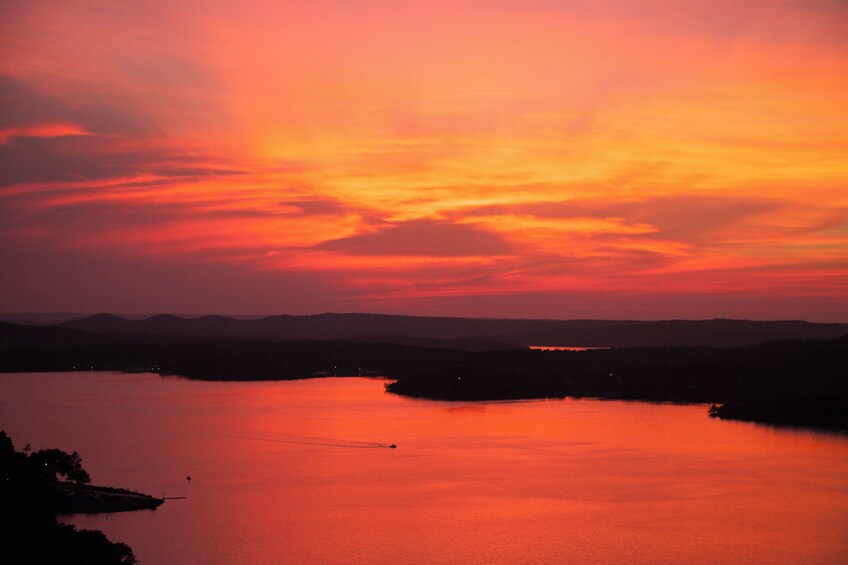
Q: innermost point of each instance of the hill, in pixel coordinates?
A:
(469, 333)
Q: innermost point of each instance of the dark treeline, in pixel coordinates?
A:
(237, 360)
(791, 381)
(29, 499)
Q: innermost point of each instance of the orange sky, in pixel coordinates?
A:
(534, 158)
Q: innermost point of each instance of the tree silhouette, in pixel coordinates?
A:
(57, 462)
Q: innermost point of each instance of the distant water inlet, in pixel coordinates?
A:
(296, 439)
(565, 348)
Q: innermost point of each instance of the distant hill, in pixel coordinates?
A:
(442, 332)
(715, 333)
(322, 326)
(14, 336)
(465, 333)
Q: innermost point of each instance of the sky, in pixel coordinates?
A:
(502, 158)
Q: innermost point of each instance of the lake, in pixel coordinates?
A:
(301, 472)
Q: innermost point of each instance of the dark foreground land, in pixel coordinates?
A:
(786, 381)
(30, 498)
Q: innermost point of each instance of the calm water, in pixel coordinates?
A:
(295, 472)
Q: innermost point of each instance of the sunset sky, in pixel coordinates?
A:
(503, 158)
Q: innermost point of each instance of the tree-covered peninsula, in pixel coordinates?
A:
(29, 501)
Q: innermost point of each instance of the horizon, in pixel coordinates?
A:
(69, 316)
(510, 160)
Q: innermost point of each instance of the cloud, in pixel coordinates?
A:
(70, 158)
(96, 112)
(320, 207)
(423, 237)
(73, 158)
(49, 139)
(690, 217)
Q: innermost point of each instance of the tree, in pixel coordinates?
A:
(57, 462)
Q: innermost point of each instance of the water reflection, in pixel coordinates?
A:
(540, 481)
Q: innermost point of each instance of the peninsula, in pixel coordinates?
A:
(32, 496)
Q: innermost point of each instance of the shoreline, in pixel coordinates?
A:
(751, 411)
(73, 498)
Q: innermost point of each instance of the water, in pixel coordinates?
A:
(299, 472)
